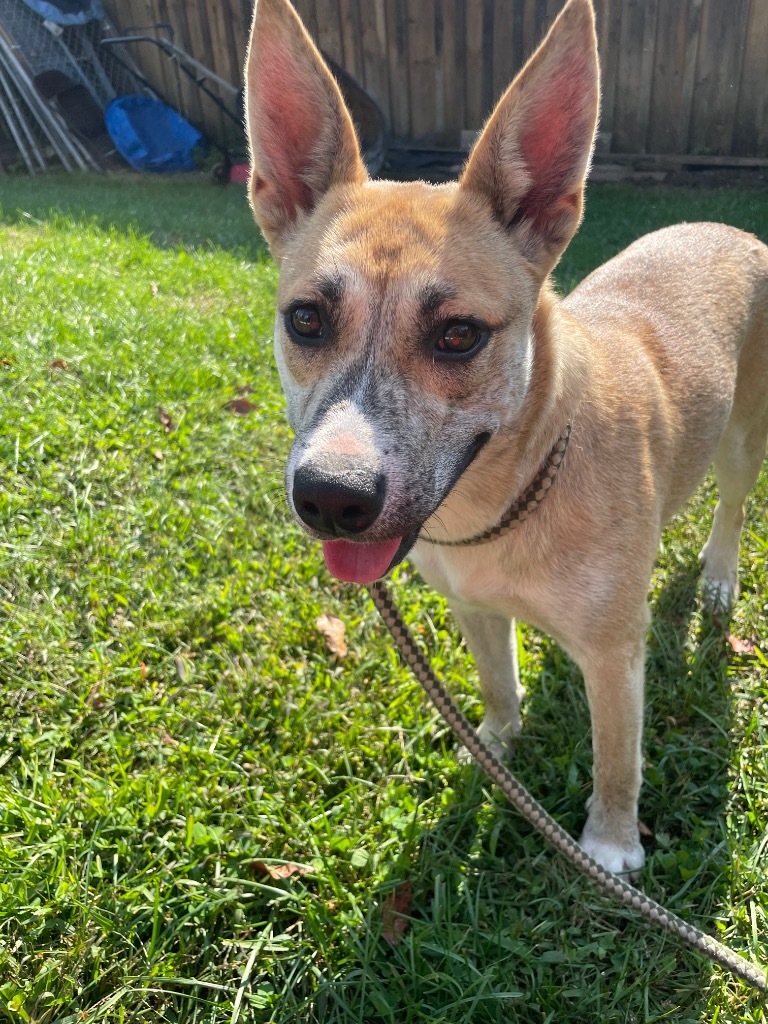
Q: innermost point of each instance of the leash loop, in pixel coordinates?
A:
(535, 814)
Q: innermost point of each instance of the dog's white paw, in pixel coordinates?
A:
(719, 593)
(719, 583)
(621, 859)
(499, 738)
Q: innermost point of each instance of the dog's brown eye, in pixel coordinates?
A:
(459, 338)
(305, 322)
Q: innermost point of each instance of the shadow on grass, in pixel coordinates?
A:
(500, 924)
(179, 211)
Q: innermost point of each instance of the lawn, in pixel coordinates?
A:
(205, 816)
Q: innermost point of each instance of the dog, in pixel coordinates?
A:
(431, 371)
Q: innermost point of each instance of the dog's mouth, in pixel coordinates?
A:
(362, 562)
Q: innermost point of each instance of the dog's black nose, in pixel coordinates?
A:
(338, 504)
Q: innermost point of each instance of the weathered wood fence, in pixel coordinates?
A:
(679, 76)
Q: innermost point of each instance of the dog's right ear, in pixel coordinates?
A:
(301, 137)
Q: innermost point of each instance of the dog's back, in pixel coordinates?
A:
(679, 320)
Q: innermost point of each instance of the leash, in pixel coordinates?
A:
(610, 883)
(535, 814)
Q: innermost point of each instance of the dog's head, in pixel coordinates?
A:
(403, 332)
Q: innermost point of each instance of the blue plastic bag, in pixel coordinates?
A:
(151, 136)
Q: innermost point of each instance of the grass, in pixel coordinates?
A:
(204, 817)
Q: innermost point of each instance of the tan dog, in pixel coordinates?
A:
(430, 369)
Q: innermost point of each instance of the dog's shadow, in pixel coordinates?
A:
(481, 850)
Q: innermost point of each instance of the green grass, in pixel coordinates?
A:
(171, 719)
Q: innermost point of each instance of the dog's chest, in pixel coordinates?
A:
(483, 577)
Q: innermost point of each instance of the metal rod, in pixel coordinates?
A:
(13, 99)
(16, 133)
(54, 125)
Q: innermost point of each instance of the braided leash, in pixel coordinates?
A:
(534, 813)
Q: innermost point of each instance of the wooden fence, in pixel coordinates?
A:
(679, 76)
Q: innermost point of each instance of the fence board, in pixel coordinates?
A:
(193, 40)
(422, 60)
(329, 29)
(453, 65)
(718, 74)
(751, 128)
(677, 75)
(351, 40)
(677, 44)
(503, 57)
(306, 11)
(608, 23)
(473, 56)
(635, 71)
(373, 29)
(488, 95)
(143, 14)
(397, 60)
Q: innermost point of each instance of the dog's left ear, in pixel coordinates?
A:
(532, 159)
(301, 136)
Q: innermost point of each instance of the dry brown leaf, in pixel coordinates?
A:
(157, 454)
(280, 870)
(334, 631)
(394, 913)
(165, 419)
(6, 362)
(739, 646)
(240, 406)
(58, 364)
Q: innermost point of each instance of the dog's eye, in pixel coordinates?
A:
(459, 338)
(304, 323)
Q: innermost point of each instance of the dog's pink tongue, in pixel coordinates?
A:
(359, 563)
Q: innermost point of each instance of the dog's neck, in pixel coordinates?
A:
(508, 463)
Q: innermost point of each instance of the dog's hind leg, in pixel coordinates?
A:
(493, 643)
(737, 462)
(737, 465)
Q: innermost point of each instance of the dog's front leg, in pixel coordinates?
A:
(493, 642)
(614, 676)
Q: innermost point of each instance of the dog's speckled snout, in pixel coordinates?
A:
(336, 496)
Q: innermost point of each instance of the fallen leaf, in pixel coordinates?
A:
(168, 425)
(157, 454)
(334, 631)
(281, 870)
(6, 362)
(153, 287)
(394, 913)
(58, 364)
(739, 646)
(240, 406)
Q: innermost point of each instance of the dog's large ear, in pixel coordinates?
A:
(301, 137)
(533, 156)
